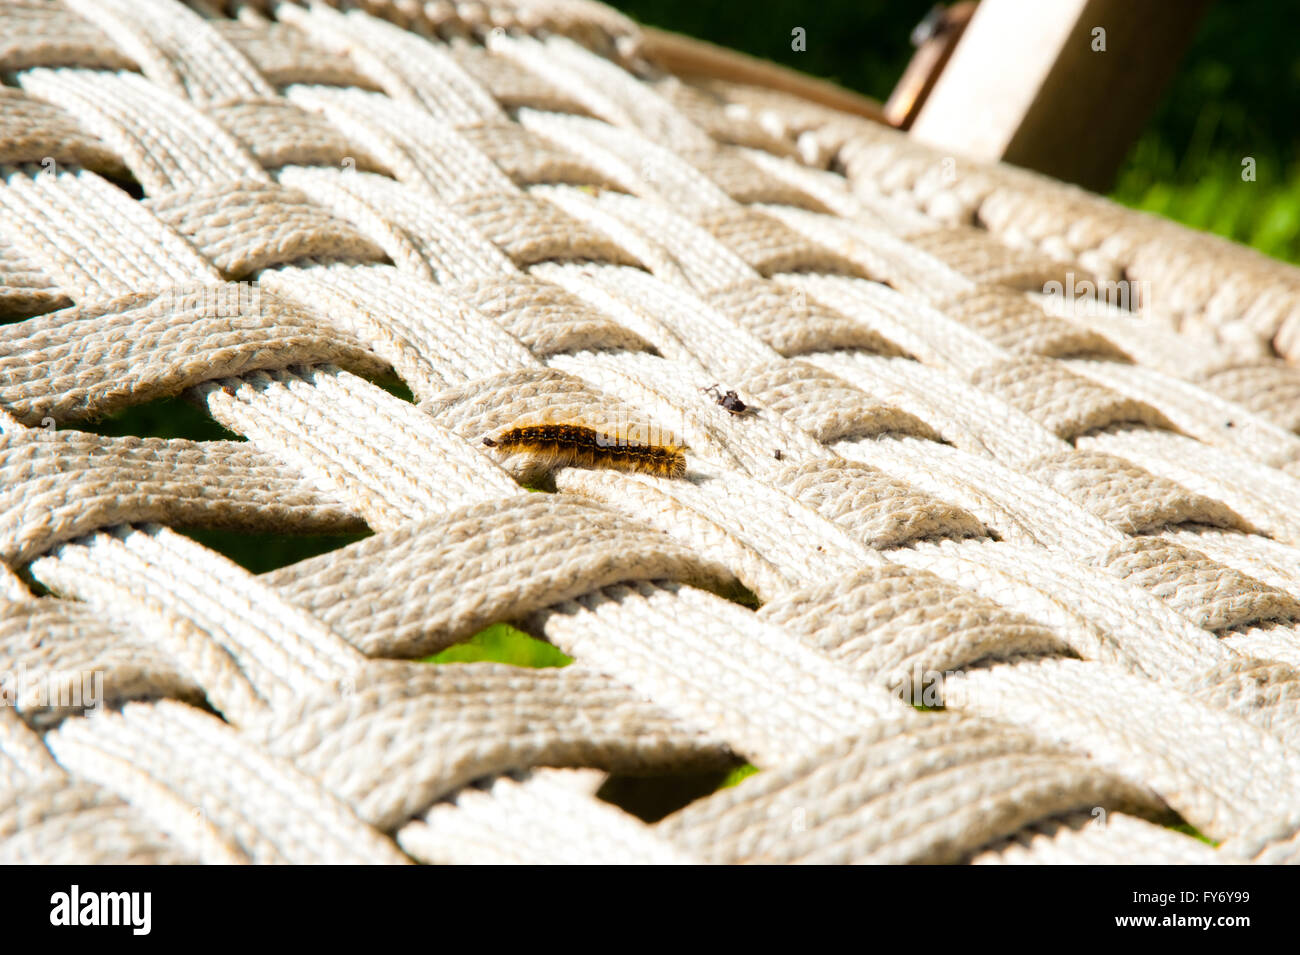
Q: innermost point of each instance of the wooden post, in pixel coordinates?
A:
(935, 38)
(1060, 86)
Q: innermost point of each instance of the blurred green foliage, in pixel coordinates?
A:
(164, 418)
(859, 44)
(1236, 95)
(736, 776)
(258, 553)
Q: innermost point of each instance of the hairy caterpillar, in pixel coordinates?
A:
(561, 445)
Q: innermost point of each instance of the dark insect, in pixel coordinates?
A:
(730, 401)
(777, 454)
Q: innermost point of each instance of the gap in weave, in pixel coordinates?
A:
(1078, 821)
(394, 385)
(261, 553)
(543, 483)
(14, 312)
(738, 593)
(129, 186)
(652, 798)
(503, 643)
(172, 417)
(1187, 829)
(34, 586)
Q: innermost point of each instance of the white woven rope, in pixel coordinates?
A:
(1067, 531)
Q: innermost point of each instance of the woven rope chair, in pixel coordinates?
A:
(1069, 527)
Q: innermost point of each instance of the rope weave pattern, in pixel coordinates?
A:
(1081, 518)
